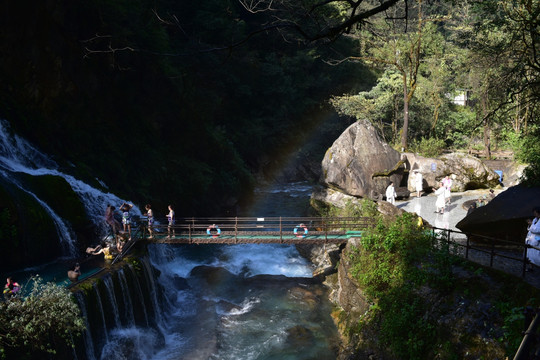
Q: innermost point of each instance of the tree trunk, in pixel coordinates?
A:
(405, 131)
(487, 128)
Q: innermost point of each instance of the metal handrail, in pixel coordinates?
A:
(529, 339)
(492, 250)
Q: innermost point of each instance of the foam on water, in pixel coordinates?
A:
(268, 259)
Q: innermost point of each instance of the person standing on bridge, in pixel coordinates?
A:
(391, 194)
(150, 217)
(126, 217)
(170, 218)
(109, 219)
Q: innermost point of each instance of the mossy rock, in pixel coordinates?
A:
(58, 194)
(29, 235)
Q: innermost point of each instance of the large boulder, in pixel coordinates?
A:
(360, 164)
(504, 217)
(467, 172)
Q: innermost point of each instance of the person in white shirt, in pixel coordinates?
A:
(391, 194)
(418, 182)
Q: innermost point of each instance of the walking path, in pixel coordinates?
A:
(425, 207)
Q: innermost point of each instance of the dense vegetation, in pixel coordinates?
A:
(42, 320)
(183, 102)
(425, 302)
(139, 94)
(430, 55)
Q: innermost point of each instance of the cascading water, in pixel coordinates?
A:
(227, 302)
(18, 156)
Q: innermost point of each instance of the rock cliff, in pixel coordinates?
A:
(354, 162)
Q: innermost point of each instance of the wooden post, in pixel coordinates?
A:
(236, 229)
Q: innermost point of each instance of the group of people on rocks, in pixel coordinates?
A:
(120, 230)
(443, 192)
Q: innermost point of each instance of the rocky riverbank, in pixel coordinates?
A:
(471, 317)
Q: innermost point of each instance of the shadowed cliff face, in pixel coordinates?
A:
(88, 83)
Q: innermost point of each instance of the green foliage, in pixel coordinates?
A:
(390, 255)
(377, 105)
(529, 153)
(363, 208)
(392, 263)
(39, 321)
(428, 147)
(514, 319)
(407, 332)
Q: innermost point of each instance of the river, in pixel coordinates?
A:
(255, 301)
(252, 301)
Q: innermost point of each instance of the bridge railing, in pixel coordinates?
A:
(487, 250)
(276, 226)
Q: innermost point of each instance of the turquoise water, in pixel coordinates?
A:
(55, 271)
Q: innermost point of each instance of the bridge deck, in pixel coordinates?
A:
(258, 238)
(281, 230)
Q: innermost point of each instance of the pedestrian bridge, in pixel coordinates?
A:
(258, 230)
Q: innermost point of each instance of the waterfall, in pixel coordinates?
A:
(107, 280)
(139, 293)
(87, 336)
(65, 234)
(99, 304)
(128, 304)
(149, 274)
(19, 156)
(116, 316)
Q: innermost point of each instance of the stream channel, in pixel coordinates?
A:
(253, 301)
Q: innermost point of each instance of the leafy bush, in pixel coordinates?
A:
(40, 322)
(528, 151)
(394, 260)
(390, 254)
(430, 147)
(365, 207)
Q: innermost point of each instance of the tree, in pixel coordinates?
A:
(380, 105)
(318, 19)
(390, 45)
(39, 322)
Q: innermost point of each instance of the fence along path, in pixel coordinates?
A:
(259, 230)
